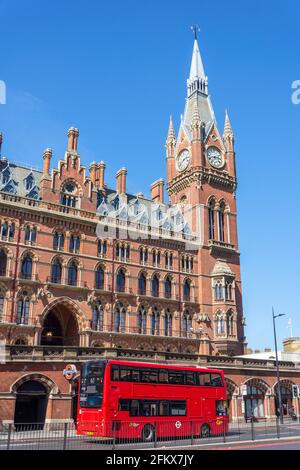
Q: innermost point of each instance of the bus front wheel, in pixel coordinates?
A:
(205, 431)
(148, 433)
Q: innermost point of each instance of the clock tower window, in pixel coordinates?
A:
(221, 222)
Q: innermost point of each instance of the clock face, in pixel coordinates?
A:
(214, 157)
(183, 160)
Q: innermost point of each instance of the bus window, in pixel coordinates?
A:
(216, 380)
(190, 378)
(124, 374)
(149, 376)
(204, 379)
(164, 408)
(135, 375)
(134, 408)
(148, 408)
(163, 376)
(91, 384)
(124, 405)
(177, 408)
(176, 377)
(115, 373)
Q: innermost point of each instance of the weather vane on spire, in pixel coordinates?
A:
(195, 28)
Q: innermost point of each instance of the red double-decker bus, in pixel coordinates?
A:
(146, 401)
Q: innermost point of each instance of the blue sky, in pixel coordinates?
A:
(116, 70)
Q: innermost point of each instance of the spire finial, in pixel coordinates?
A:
(195, 28)
(227, 126)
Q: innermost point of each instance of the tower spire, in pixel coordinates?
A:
(197, 80)
(171, 133)
(227, 126)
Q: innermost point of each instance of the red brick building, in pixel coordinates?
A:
(89, 271)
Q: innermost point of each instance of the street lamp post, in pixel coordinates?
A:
(277, 366)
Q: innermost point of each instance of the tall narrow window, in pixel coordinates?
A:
(142, 321)
(187, 291)
(1, 306)
(74, 244)
(97, 322)
(120, 281)
(72, 274)
(99, 278)
(56, 271)
(219, 295)
(155, 286)
(26, 267)
(168, 323)
(211, 220)
(168, 288)
(142, 284)
(58, 241)
(228, 290)
(155, 322)
(221, 222)
(186, 324)
(220, 325)
(3, 263)
(230, 324)
(30, 234)
(23, 310)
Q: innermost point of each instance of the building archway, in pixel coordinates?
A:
(61, 324)
(31, 405)
(232, 391)
(286, 389)
(254, 399)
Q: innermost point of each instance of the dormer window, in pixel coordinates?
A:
(6, 176)
(29, 182)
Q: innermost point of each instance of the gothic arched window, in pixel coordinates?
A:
(186, 325)
(211, 220)
(119, 319)
(142, 284)
(74, 244)
(168, 323)
(121, 277)
(3, 263)
(220, 320)
(72, 274)
(155, 286)
(142, 321)
(23, 309)
(155, 322)
(228, 290)
(221, 222)
(219, 292)
(168, 288)
(98, 318)
(26, 267)
(58, 241)
(187, 290)
(230, 323)
(56, 271)
(99, 278)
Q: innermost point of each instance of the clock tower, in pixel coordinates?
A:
(201, 173)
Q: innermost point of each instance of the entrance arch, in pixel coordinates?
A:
(61, 323)
(254, 400)
(31, 405)
(286, 389)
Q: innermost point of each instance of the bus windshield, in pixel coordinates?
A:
(91, 384)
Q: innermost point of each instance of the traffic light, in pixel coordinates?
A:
(295, 391)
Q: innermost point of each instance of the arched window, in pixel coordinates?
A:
(211, 220)
(186, 325)
(23, 309)
(101, 248)
(58, 241)
(155, 286)
(56, 271)
(168, 288)
(187, 291)
(228, 290)
(168, 323)
(120, 287)
(26, 267)
(142, 284)
(142, 321)
(221, 222)
(30, 235)
(99, 278)
(230, 324)
(69, 195)
(220, 324)
(29, 182)
(3, 263)
(219, 293)
(98, 317)
(11, 231)
(155, 322)
(74, 244)
(119, 319)
(72, 274)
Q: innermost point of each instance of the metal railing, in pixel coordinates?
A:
(155, 433)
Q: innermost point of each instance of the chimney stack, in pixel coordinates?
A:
(93, 172)
(101, 167)
(47, 158)
(157, 191)
(121, 181)
(73, 134)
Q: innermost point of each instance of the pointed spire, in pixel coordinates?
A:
(171, 132)
(227, 126)
(197, 69)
